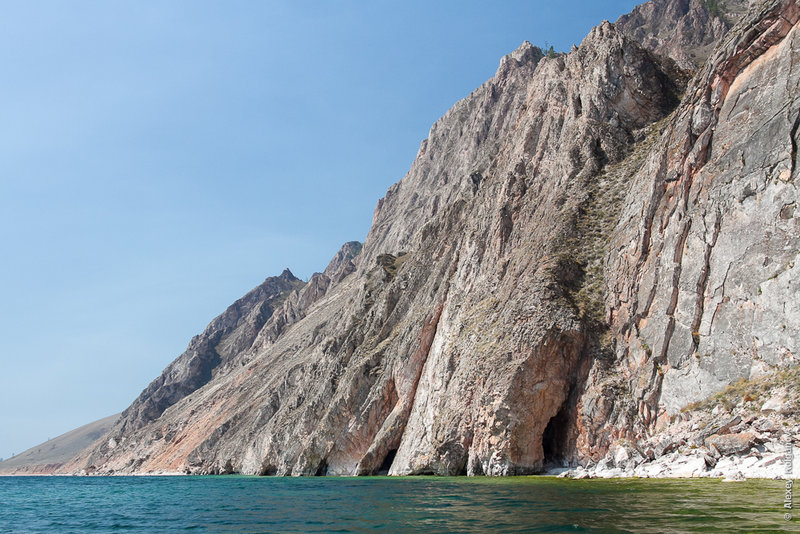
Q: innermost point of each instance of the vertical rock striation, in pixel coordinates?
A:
(573, 257)
(702, 286)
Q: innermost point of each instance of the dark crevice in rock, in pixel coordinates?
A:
(386, 464)
(555, 438)
(421, 355)
(476, 178)
(702, 282)
(656, 194)
(268, 470)
(322, 469)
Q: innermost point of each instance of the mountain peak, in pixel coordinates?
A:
(685, 30)
(523, 54)
(288, 275)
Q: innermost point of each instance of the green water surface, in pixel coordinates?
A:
(383, 504)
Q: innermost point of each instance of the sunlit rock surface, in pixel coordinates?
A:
(583, 247)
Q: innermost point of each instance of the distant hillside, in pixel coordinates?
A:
(48, 456)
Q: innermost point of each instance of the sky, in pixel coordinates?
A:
(160, 159)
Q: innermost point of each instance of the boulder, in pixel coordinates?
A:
(776, 403)
(730, 444)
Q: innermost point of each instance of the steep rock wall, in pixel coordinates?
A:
(571, 259)
(703, 289)
(457, 338)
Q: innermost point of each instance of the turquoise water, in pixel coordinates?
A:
(523, 504)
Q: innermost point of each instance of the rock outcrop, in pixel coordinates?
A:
(227, 336)
(684, 30)
(583, 246)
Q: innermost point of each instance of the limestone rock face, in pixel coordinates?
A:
(684, 30)
(703, 287)
(582, 247)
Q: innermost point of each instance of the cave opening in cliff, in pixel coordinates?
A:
(555, 438)
(322, 469)
(387, 462)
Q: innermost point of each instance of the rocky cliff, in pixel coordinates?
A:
(583, 246)
(702, 289)
(684, 30)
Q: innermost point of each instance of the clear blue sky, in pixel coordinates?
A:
(159, 159)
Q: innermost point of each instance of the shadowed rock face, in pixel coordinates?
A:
(539, 286)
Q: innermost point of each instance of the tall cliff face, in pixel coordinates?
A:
(702, 282)
(572, 257)
(500, 182)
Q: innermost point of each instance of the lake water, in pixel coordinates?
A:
(379, 504)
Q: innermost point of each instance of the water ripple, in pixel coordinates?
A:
(380, 504)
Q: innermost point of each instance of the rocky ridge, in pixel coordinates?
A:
(583, 247)
(684, 30)
(223, 339)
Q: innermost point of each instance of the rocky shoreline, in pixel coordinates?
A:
(749, 430)
(765, 460)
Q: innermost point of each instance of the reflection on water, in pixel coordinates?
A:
(523, 504)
